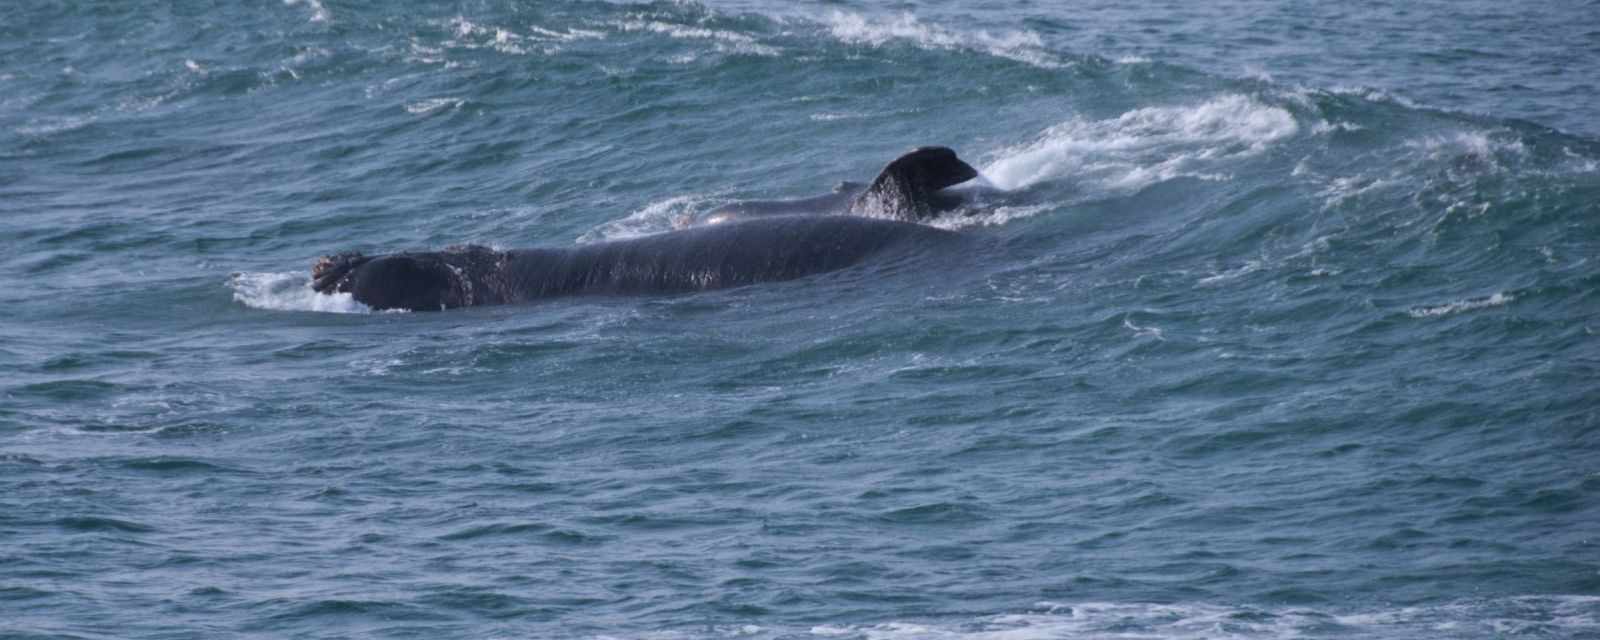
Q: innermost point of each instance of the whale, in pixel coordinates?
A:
(731, 254)
(910, 188)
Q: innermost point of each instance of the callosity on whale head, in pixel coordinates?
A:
(422, 281)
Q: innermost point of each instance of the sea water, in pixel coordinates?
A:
(1280, 322)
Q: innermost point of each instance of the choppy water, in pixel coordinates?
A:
(1283, 324)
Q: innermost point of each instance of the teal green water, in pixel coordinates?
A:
(1280, 321)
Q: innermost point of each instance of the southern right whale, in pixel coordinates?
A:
(732, 254)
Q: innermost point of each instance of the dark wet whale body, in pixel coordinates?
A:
(736, 253)
(738, 245)
(911, 187)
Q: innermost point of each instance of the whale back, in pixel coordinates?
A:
(712, 257)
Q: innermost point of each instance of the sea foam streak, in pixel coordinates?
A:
(289, 292)
(724, 41)
(656, 217)
(1022, 46)
(1471, 304)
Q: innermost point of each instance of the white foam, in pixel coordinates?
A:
(541, 33)
(1374, 95)
(827, 116)
(1481, 145)
(1470, 304)
(319, 13)
(1323, 126)
(724, 41)
(976, 215)
(55, 124)
(656, 217)
(470, 35)
(1143, 332)
(1145, 146)
(1249, 267)
(431, 105)
(289, 292)
(1337, 190)
(1022, 46)
(1580, 162)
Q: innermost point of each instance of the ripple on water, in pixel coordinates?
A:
(89, 524)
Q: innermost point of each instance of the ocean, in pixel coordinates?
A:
(1277, 320)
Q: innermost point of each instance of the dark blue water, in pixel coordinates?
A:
(1280, 321)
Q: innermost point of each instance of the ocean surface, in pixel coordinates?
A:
(1281, 320)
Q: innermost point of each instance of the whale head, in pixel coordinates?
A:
(421, 281)
(907, 187)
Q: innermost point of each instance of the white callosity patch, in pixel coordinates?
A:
(319, 13)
